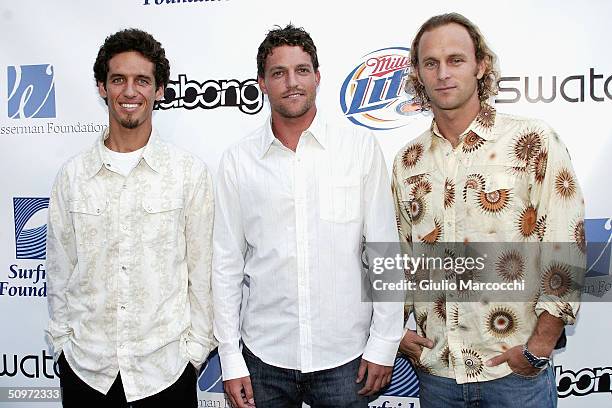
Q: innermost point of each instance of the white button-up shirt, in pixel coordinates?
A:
(128, 267)
(291, 226)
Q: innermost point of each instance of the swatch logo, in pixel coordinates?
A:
(31, 91)
(30, 227)
(210, 374)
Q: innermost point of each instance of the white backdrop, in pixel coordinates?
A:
(50, 109)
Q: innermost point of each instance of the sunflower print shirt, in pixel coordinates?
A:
(509, 180)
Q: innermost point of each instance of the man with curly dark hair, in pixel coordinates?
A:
(129, 248)
(477, 175)
(296, 199)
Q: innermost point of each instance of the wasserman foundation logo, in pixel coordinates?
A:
(31, 91)
(373, 94)
(30, 227)
(599, 246)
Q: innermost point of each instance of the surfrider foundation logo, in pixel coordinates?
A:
(373, 94)
(31, 91)
(209, 379)
(30, 227)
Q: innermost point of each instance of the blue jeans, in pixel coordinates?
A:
(275, 387)
(510, 391)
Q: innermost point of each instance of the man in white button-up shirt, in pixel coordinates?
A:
(129, 248)
(295, 200)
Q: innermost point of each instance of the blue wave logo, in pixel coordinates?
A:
(30, 234)
(404, 381)
(373, 94)
(209, 379)
(31, 91)
(598, 233)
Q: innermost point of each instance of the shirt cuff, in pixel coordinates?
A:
(57, 336)
(381, 352)
(233, 366)
(565, 311)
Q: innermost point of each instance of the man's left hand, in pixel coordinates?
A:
(516, 361)
(378, 376)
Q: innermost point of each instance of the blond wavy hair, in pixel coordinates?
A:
(487, 85)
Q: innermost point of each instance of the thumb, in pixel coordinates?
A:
(362, 370)
(497, 360)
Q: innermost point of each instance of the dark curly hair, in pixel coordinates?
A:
(487, 85)
(133, 39)
(290, 35)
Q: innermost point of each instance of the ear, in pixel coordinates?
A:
(262, 85)
(318, 77)
(159, 93)
(481, 69)
(102, 89)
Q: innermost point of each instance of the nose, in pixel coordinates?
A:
(443, 72)
(291, 79)
(129, 90)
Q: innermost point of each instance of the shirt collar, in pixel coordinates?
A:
(154, 154)
(316, 129)
(483, 125)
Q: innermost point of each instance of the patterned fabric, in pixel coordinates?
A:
(129, 266)
(509, 179)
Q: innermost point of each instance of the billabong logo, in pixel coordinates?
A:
(373, 94)
(583, 382)
(209, 379)
(31, 91)
(30, 231)
(598, 233)
(189, 94)
(404, 381)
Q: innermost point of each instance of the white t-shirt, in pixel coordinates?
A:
(123, 163)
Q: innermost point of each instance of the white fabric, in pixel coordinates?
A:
(292, 225)
(128, 268)
(123, 163)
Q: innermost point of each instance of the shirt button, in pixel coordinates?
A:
(122, 307)
(123, 268)
(125, 227)
(449, 187)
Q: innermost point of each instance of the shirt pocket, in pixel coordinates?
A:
(161, 220)
(498, 202)
(90, 220)
(340, 199)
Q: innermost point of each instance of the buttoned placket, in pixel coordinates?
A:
(450, 171)
(126, 207)
(300, 184)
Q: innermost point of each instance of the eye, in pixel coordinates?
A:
(303, 70)
(429, 64)
(117, 80)
(277, 74)
(143, 81)
(457, 60)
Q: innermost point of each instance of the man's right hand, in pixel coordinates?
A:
(412, 345)
(240, 392)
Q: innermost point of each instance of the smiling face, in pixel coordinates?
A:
(130, 90)
(290, 81)
(448, 68)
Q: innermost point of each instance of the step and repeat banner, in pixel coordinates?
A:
(555, 66)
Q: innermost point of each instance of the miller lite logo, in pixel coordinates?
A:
(373, 94)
